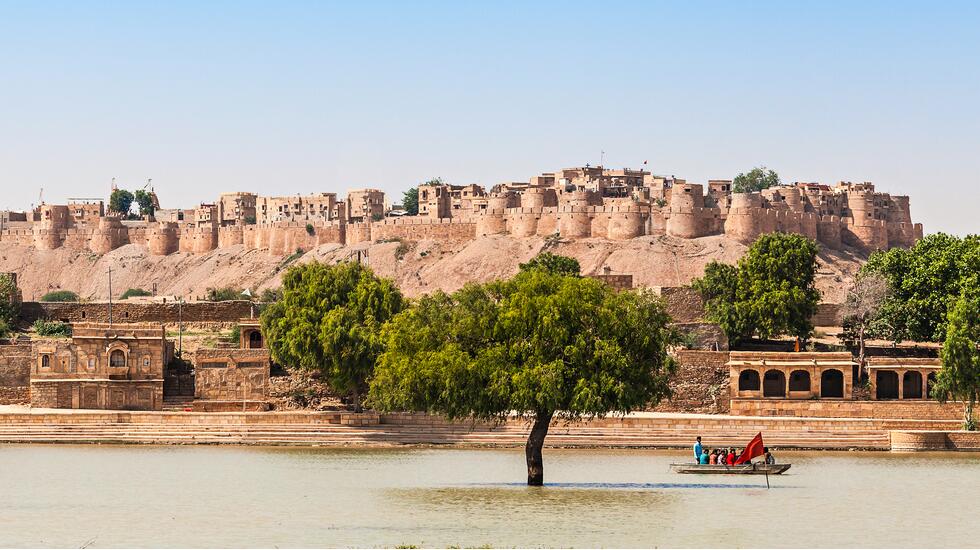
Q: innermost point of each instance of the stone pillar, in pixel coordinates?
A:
(901, 384)
(925, 384)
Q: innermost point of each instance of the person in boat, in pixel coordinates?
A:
(697, 450)
(769, 458)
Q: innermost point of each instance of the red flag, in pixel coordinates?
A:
(752, 450)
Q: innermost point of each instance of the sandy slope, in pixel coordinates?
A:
(423, 267)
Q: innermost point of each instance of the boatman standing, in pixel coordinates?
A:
(697, 451)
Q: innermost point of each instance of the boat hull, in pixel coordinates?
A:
(744, 469)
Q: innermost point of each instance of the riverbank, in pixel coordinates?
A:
(344, 429)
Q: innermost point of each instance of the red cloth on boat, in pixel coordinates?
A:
(753, 449)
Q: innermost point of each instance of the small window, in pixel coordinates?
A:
(45, 361)
(146, 361)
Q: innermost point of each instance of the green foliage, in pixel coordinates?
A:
(52, 328)
(60, 296)
(925, 281)
(120, 202)
(310, 230)
(959, 378)
(145, 202)
(224, 294)
(756, 179)
(135, 292)
(770, 292)
(249, 220)
(329, 320)
(538, 345)
(410, 201)
(553, 263)
(270, 295)
(377, 217)
(9, 302)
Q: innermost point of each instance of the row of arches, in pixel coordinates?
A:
(773, 382)
(887, 385)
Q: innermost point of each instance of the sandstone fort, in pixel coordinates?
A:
(572, 203)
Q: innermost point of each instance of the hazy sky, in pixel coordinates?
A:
(281, 97)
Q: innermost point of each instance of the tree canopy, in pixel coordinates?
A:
(756, 179)
(540, 345)
(771, 292)
(553, 263)
(925, 281)
(328, 320)
(861, 306)
(410, 201)
(959, 377)
(9, 303)
(60, 296)
(145, 202)
(120, 202)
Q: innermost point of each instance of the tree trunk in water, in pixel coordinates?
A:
(532, 451)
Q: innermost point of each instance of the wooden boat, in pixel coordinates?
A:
(750, 469)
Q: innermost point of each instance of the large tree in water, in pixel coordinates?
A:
(541, 346)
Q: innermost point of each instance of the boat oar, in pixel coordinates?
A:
(767, 476)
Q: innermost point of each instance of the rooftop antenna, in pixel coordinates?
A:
(602, 159)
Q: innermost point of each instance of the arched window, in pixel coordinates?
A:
(832, 383)
(799, 380)
(45, 361)
(912, 385)
(930, 382)
(886, 384)
(117, 358)
(748, 380)
(774, 384)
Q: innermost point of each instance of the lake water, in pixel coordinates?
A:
(105, 496)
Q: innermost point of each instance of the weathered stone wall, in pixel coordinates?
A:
(700, 384)
(231, 374)
(684, 304)
(15, 374)
(828, 315)
(138, 312)
(416, 229)
(139, 395)
(934, 441)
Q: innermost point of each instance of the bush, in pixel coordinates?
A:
(225, 294)
(270, 295)
(60, 296)
(135, 292)
(52, 328)
(9, 301)
(310, 230)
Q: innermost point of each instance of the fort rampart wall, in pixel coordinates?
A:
(138, 312)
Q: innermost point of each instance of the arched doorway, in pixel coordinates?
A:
(774, 384)
(832, 383)
(886, 384)
(255, 340)
(748, 380)
(799, 380)
(930, 382)
(912, 385)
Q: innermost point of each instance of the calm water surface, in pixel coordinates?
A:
(104, 496)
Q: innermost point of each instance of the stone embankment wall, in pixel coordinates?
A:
(700, 384)
(138, 312)
(934, 441)
(15, 374)
(827, 408)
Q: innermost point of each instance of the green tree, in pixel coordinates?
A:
(120, 202)
(52, 328)
(539, 345)
(553, 263)
(10, 302)
(60, 296)
(145, 202)
(135, 292)
(329, 320)
(959, 378)
(756, 179)
(924, 281)
(771, 292)
(410, 201)
(861, 306)
(224, 294)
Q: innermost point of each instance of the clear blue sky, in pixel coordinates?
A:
(297, 97)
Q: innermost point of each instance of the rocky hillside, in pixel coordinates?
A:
(418, 267)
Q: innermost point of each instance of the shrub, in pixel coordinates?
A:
(310, 230)
(9, 300)
(224, 294)
(60, 296)
(135, 292)
(52, 328)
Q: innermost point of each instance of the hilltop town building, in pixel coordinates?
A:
(575, 203)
